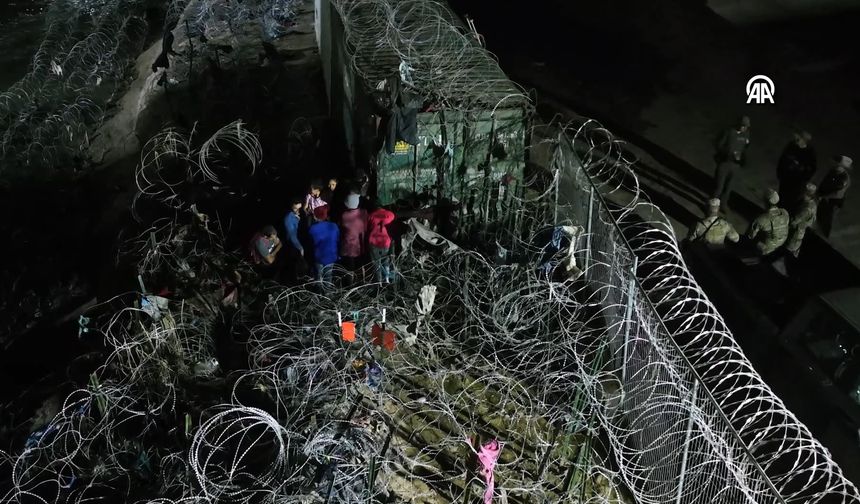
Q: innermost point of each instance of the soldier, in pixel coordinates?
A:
(832, 192)
(797, 165)
(801, 219)
(734, 140)
(731, 154)
(713, 229)
(725, 175)
(770, 229)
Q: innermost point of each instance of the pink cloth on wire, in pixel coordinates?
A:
(488, 456)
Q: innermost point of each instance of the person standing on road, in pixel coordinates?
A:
(713, 229)
(802, 218)
(832, 192)
(770, 229)
(796, 167)
(733, 143)
(725, 176)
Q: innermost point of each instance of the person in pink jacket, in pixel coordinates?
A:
(380, 241)
(353, 227)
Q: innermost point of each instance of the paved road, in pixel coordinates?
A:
(674, 73)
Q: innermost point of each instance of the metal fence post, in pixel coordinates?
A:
(555, 203)
(686, 446)
(588, 229)
(628, 317)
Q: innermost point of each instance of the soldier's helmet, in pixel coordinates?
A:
(772, 197)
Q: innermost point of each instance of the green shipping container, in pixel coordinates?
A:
(461, 167)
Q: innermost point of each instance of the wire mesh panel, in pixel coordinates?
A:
(691, 420)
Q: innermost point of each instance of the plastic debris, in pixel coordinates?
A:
(142, 463)
(406, 73)
(347, 331)
(374, 376)
(200, 216)
(359, 365)
(207, 367)
(487, 456)
(83, 322)
(383, 338)
(153, 306)
(573, 232)
(67, 481)
(37, 436)
(425, 301)
(419, 230)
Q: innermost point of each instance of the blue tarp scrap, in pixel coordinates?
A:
(37, 436)
(374, 376)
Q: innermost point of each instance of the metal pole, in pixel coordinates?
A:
(686, 446)
(190, 51)
(471, 465)
(588, 229)
(555, 206)
(542, 468)
(628, 317)
(371, 479)
(374, 461)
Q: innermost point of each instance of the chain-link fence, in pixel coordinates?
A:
(687, 418)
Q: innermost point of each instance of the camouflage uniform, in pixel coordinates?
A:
(770, 230)
(714, 230)
(802, 219)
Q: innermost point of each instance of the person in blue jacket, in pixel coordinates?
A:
(295, 250)
(325, 236)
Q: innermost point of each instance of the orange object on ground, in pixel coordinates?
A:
(347, 331)
(385, 339)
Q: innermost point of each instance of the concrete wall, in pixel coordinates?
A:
(764, 11)
(322, 27)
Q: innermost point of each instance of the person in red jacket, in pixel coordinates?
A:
(353, 224)
(380, 241)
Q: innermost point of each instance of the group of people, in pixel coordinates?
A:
(327, 227)
(775, 230)
(795, 171)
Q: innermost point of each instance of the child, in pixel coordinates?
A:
(380, 241)
(313, 200)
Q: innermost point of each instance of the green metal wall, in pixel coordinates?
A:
(470, 136)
